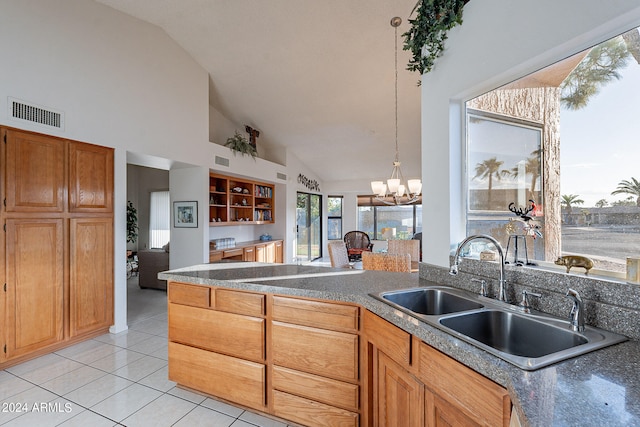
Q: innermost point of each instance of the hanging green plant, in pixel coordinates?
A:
(239, 144)
(428, 32)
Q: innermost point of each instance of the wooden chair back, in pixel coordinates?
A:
(411, 247)
(338, 254)
(386, 262)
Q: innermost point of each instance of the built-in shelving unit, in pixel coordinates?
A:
(236, 201)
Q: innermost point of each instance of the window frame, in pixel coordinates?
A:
(375, 206)
(335, 217)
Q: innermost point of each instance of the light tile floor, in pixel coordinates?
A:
(112, 380)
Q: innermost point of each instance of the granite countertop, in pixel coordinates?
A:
(598, 388)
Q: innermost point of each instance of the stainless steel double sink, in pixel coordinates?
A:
(528, 340)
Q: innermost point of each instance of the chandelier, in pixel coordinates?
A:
(397, 190)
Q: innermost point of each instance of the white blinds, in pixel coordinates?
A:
(159, 219)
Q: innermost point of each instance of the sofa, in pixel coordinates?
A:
(150, 263)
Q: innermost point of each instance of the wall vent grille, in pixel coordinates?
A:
(33, 113)
(222, 161)
(281, 176)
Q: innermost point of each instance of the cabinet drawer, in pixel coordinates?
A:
(228, 333)
(239, 302)
(315, 313)
(390, 339)
(311, 413)
(223, 376)
(318, 351)
(196, 296)
(325, 390)
(486, 402)
(230, 253)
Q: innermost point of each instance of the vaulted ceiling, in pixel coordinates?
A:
(315, 76)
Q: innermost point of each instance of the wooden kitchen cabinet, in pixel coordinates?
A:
(255, 250)
(90, 178)
(91, 274)
(35, 285)
(57, 251)
(315, 354)
(400, 395)
(225, 354)
(412, 384)
(460, 393)
(35, 172)
(294, 358)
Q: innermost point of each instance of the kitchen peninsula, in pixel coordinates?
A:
(300, 342)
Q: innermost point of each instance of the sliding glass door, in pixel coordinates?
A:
(309, 227)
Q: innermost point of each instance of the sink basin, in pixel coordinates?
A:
(430, 301)
(513, 334)
(528, 340)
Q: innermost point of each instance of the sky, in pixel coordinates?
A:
(600, 144)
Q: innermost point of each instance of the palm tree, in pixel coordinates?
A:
(629, 187)
(601, 203)
(532, 167)
(568, 200)
(490, 168)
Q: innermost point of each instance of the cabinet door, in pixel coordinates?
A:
(400, 395)
(91, 274)
(249, 254)
(441, 413)
(279, 252)
(90, 178)
(35, 173)
(261, 253)
(35, 289)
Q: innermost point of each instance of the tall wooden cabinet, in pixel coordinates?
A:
(57, 244)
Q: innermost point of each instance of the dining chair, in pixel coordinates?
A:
(411, 247)
(357, 242)
(338, 254)
(386, 262)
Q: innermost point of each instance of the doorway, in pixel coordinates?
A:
(308, 227)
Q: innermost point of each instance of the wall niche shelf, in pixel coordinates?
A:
(237, 201)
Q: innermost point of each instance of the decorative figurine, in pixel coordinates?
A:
(530, 228)
(575, 261)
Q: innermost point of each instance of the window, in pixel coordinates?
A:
(564, 137)
(388, 222)
(159, 219)
(334, 218)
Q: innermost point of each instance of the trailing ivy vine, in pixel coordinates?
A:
(428, 32)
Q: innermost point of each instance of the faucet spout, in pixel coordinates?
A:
(456, 261)
(577, 311)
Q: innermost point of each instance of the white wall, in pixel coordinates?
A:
(499, 41)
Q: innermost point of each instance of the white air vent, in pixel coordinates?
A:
(281, 176)
(29, 112)
(222, 161)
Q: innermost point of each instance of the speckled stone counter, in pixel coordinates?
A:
(601, 388)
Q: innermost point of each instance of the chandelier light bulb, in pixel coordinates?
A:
(415, 186)
(392, 184)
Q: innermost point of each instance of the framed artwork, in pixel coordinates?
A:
(185, 214)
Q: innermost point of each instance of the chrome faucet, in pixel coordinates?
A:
(456, 261)
(576, 316)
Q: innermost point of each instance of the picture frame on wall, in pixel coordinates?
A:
(185, 214)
